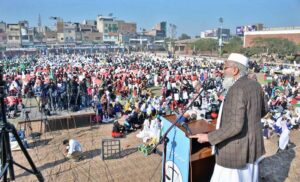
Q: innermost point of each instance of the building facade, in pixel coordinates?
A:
(87, 28)
(216, 34)
(13, 32)
(69, 33)
(182, 46)
(290, 34)
(126, 28)
(48, 36)
(159, 32)
(102, 30)
(91, 37)
(3, 36)
(161, 28)
(27, 35)
(90, 22)
(108, 26)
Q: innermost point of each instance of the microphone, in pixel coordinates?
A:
(182, 122)
(187, 128)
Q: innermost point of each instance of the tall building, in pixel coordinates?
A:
(108, 26)
(161, 28)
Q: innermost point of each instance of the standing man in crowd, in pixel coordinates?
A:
(74, 149)
(238, 140)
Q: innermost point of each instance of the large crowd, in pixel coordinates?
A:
(118, 85)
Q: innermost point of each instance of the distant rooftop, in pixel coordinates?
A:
(277, 30)
(100, 17)
(281, 28)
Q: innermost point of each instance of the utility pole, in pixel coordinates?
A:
(40, 22)
(221, 38)
(172, 31)
(40, 32)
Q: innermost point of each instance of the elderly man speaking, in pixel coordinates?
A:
(238, 141)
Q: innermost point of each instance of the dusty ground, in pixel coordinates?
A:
(49, 157)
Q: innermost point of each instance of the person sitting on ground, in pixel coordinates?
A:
(111, 112)
(118, 108)
(133, 119)
(118, 129)
(73, 148)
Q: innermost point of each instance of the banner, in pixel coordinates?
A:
(177, 154)
(240, 30)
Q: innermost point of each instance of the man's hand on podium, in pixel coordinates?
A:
(201, 137)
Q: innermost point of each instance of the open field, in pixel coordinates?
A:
(49, 157)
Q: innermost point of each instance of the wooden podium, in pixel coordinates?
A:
(186, 159)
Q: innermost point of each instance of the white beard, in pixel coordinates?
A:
(227, 82)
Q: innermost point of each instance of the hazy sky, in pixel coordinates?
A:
(190, 16)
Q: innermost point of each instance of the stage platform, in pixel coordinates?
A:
(57, 121)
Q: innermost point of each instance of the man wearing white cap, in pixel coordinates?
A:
(238, 139)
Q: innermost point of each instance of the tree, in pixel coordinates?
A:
(297, 60)
(184, 37)
(280, 47)
(234, 45)
(205, 45)
(250, 51)
(298, 48)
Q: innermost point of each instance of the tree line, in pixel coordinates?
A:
(282, 48)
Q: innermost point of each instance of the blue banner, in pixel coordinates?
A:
(177, 154)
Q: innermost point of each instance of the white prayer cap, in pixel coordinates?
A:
(238, 58)
(81, 77)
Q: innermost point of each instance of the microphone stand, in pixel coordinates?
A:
(165, 139)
